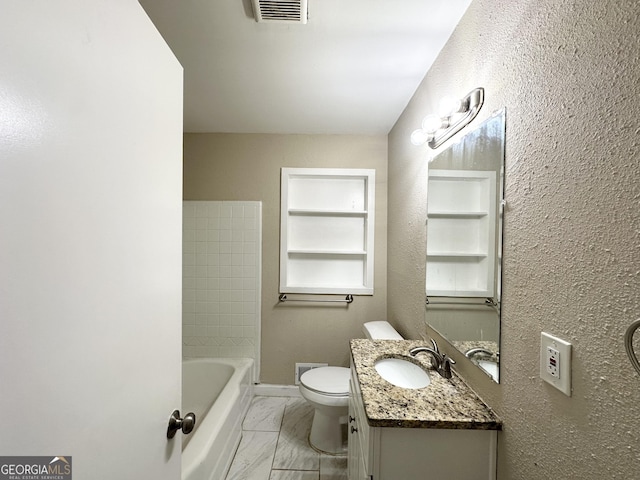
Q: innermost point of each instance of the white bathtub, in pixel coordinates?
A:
(218, 391)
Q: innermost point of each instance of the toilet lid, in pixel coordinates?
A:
(327, 380)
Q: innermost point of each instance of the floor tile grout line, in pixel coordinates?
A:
(284, 413)
(285, 409)
(243, 429)
(273, 459)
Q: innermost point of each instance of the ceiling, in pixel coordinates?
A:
(351, 69)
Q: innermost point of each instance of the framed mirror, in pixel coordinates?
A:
(465, 199)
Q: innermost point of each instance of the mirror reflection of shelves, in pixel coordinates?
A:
(326, 238)
(461, 215)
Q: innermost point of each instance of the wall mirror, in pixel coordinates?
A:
(465, 199)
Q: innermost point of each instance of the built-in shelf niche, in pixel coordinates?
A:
(461, 232)
(326, 231)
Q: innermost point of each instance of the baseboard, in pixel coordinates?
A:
(268, 390)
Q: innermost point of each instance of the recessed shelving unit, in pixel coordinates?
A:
(326, 231)
(461, 231)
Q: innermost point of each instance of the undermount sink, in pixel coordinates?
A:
(402, 373)
(490, 367)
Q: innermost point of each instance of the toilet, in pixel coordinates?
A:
(327, 390)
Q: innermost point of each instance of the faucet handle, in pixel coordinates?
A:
(445, 357)
(445, 366)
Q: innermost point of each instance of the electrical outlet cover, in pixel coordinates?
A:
(555, 362)
(552, 362)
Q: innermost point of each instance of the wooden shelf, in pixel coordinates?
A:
(459, 293)
(461, 255)
(327, 252)
(457, 214)
(327, 213)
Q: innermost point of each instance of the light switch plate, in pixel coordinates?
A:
(555, 362)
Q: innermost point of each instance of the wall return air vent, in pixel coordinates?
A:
(280, 11)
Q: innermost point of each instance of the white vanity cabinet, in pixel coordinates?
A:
(387, 453)
(359, 437)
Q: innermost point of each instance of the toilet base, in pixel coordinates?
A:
(328, 432)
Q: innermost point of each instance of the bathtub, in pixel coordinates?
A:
(218, 391)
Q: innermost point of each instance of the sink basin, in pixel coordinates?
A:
(402, 373)
(490, 367)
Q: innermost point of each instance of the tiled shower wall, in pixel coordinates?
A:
(221, 279)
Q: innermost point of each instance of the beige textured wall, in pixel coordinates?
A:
(247, 167)
(568, 73)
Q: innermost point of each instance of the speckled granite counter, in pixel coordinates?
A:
(445, 403)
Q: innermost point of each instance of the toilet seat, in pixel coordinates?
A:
(327, 381)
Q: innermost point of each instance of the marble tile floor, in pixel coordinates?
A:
(275, 444)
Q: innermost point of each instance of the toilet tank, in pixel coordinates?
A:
(381, 330)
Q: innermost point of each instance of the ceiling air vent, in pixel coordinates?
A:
(280, 11)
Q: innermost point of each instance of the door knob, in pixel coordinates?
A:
(176, 423)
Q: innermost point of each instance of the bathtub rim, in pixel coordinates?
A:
(195, 456)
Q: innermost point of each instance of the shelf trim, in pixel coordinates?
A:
(469, 293)
(327, 213)
(458, 254)
(327, 252)
(469, 214)
(322, 289)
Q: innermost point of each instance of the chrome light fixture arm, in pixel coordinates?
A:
(437, 129)
(471, 105)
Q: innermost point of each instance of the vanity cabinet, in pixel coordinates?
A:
(359, 438)
(387, 453)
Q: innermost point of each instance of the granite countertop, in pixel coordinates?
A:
(444, 403)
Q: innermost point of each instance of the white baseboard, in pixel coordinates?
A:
(268, 390)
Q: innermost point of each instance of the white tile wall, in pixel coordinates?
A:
(221, 279)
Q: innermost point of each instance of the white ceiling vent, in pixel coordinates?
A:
(280, 11)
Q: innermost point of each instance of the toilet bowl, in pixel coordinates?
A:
(327, 390)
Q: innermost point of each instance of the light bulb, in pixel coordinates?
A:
(431, 123)
(419, 137)
(448, 106)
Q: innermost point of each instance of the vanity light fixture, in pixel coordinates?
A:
(453, 116)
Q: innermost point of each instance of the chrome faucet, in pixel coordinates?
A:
(478, 351)
(440, 361)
